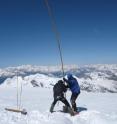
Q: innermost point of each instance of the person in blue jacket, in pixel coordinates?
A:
(75, 89)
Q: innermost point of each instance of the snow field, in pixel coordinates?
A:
(101, 107)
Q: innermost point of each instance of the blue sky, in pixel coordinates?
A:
(88, 31)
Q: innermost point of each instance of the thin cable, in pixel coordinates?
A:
(20, 101)
(17, 92)
(56, 34)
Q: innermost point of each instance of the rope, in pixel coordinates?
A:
(56, 33)
(17, 92)
(20, 101)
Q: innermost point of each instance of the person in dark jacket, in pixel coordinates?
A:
(75, 89)
(59, 89)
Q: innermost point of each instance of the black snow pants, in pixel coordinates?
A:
(73, 100)
(62, 99)
(59, 98)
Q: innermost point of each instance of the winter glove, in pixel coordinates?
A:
(64, 79)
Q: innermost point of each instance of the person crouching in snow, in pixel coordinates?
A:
(58, 92)
(75, 89)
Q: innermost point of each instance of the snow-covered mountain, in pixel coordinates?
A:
(96, 108)
(36, 80)
(92, 78)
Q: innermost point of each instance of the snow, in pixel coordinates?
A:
(45, 80)
(93, 78)
(101, 107)
(96, 84)
(11, 71)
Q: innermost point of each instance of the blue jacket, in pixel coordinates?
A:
(73, 85)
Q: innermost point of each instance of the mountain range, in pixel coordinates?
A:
(92, 78)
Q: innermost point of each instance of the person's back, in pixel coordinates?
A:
(59, 88)
(73, 85)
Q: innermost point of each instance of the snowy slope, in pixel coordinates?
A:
(40, 80)
(92, 78)
(36, 80)
(101, 108)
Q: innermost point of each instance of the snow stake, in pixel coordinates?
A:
(23, 111)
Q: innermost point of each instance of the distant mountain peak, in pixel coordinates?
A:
(92, 78)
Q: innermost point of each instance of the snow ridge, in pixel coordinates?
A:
(92, 78)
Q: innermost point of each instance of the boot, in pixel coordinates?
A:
(51, 108)
(71, 111)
